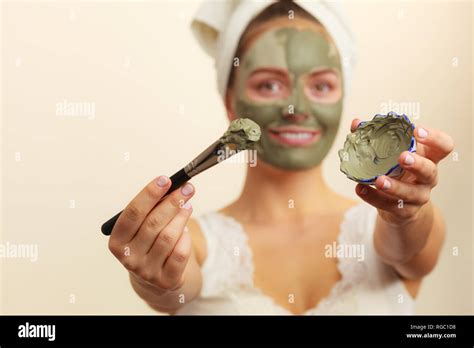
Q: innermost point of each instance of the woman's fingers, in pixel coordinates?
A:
(175, 264)
(148, 237)
(136, 211)
(168, 244)
(355, 124)
(407, 192)
(437, 143)
(166, 240)
(159, 217)
(383, 201)
(425, 170)
(378, 199)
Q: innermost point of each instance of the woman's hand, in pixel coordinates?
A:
(409, 230)
(151, 240)
(399, 200)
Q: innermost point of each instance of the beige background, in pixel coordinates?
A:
(155, 99)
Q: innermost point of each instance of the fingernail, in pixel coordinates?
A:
(187, 189)
(186, 229)
(409, 160)
(187, 205)
(422, 133)
(363, 190)
(162, 181)
(386, 184)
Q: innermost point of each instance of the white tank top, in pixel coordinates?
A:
(366, 286)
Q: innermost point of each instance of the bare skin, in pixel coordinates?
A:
(287, 244)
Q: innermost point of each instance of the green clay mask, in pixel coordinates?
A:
(299, 53)
(242, 134)
(374, 147)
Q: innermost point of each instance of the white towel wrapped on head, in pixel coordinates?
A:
(219, 24)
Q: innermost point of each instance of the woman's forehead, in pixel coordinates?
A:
(298, 51)
(298, 23)
(290, 45)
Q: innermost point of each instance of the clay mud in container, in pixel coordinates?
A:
(374, 147)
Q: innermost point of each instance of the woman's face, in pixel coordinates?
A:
(289, 82)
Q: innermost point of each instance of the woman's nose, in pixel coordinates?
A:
(296, 118)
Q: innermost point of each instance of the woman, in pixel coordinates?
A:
(275, 249)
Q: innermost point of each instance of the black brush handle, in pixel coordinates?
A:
(177, 180)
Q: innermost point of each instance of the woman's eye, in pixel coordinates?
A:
(271, 87)
(266, 87)
(322, 87)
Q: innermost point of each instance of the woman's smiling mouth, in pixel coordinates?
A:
(294, 135)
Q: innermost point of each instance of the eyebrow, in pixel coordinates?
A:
(323, 71)
(270, 70)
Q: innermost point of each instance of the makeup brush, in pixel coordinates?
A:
(242, 134)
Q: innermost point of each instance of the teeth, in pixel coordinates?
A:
(295, 136)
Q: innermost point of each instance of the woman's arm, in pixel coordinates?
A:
(409, 230)
(412, 249)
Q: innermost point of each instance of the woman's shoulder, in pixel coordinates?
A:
(342, 204)
(348, 206)
(358, 219)
(345, 203)
(208, 231)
